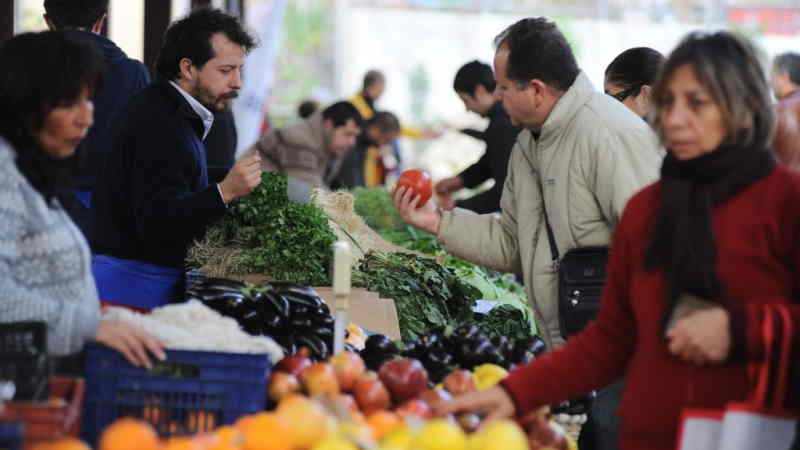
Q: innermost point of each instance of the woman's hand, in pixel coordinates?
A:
(494, 402)
(130, 340)
(702, 337)
(427, 217)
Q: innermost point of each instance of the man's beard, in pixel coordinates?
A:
(210, 101)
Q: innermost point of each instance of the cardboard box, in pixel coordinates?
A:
(367, 309)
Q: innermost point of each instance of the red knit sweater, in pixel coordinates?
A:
(758, 248)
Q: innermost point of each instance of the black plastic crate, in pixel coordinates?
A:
(24, 359)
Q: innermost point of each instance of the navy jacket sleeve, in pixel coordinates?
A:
(168, 203)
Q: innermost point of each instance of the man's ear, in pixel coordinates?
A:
(50, 24)
(186, 69)
(645, 92)
(97, 28)
(327, 124)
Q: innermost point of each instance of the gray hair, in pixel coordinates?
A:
(728, 66)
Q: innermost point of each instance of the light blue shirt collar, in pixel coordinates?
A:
(205, 115)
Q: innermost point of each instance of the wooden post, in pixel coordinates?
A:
(6, 19)
(157, 15)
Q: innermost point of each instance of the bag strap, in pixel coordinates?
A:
(550, 236)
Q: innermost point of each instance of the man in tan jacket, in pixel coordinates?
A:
(581, 152)
(311, 150)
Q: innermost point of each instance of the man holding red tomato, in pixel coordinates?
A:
(581, 155)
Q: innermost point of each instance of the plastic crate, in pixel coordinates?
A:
(190, 392)
(24, 359)
(57, 417)
(11, 435)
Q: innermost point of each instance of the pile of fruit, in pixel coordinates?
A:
(442, 350)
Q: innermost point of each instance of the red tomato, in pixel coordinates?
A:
(418, 181)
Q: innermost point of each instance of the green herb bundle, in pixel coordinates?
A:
(375, 206)
(274, 236)
(426, 294)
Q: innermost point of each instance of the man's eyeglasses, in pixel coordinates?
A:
(622, 95)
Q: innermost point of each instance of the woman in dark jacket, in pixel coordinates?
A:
(46, 84)
(695, 258)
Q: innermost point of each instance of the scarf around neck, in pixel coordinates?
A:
(682, 241)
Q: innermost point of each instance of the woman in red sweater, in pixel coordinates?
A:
(694, 257)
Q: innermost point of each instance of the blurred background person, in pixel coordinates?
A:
(474, 84)
(306, 108)
(381, 162)
(786, 86)
(45, 267)
(630, 78)
(379, 132)
(311, 151)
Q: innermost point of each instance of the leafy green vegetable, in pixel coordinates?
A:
(426, 293)
(285, 240)
(375, 206)
(504, 320)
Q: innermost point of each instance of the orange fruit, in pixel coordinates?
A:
(68, 443)
(181, 443)
(228, 435)
(382, 422)
(267, 431)
(129, 434)
(307, 421)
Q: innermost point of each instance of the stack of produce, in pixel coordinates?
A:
(442, 350)
(266, 233)
(393, 407)
(292, 314)
(514, 315)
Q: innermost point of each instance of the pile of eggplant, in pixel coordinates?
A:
(441, 350)
(293, 315)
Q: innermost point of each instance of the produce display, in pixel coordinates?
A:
(419, 182)
(426, 293)
(442, 350)
(266, 233)
(293, 315)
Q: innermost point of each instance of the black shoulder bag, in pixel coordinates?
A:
(581, 276)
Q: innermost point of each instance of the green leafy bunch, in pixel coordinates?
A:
(426, 293)
(283, 239)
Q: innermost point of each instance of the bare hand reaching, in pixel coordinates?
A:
(130, 340)
(426, 217)
(494, 402)
(243, 177)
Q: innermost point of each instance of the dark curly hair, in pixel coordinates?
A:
(190, 38)
(30, 87)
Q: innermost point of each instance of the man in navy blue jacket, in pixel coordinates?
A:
(124, 77)
(154, 198)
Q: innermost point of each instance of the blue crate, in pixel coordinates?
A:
(11, 435)
(190, 392)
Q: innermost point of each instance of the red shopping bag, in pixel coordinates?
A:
(762, 422)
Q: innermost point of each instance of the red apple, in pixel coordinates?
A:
(460, 382)
(416, 408)
(370, 393)
(405, 378)
(282, 384)
(348, 366)
(295, 363)
(319, 379)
